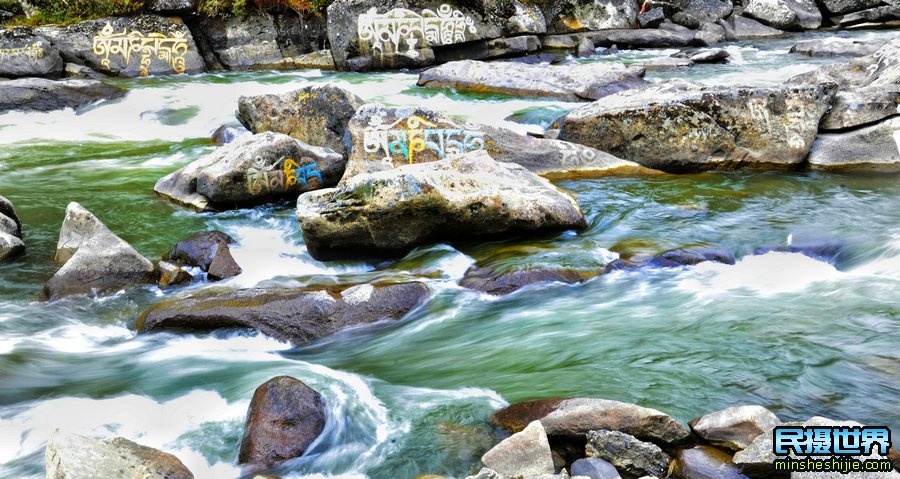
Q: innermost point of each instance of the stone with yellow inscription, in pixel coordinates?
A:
(24, 53)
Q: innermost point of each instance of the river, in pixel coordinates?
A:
(798, 335)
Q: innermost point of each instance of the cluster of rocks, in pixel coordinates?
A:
(11, 244)
(591, 438)
(284, 419)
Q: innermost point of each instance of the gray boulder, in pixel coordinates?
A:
(226, 134)
(171, 7)
(70, 456)
(381, 139)
(718, 55)
(564, 16)
(259, 40)
(594, 468)
(705, 462)
(71, 70)
(40, 94)
(785, 14)
(704, 10)
(494, 48)
(156, 45)
(11, 243)
(463, 197)
(367, 34)
(94, 259)
(748, 29)
(678, 127)
(207, 250)
(296, 315)
(573, 82)
(524, 454)
(575, 417)
(252, 170)
(836, 7)
(665, 64)
(880, 69)
(690, 256)
(627, 453)
(650, 38)
(316, 114)
(709, 34)
(26, 54)
(652, 18)
(835, 47)
(879, 14)
(862, 106)
(870, 148)
(736, 427)
(285, 418)
(585, 48)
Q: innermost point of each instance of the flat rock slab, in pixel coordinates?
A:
(570, 82)
(836, 47)
(862, 106)
(873, 148)
(575, 417)
(676, 127)
(70, 456)
(296, 315)
(39, 94)
(461, 198)
(384, 138)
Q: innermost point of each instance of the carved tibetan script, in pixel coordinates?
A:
(401, 29)
(408, 136)
(170, 49)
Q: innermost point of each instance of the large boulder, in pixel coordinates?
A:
(463, 197)
(870, 148)
(524, 454)
(366, 34)
(570, 82)
(285, 418)
(40, 94)
(129, 46)
(705, 462)
(736, 427)
(785, 14)
(756, 461)
(70, 456)
(836, 47)
(579, 15)
(676, 128)
(703, 10)
(26, 54)
(11, 243)
(316, 114)
(252, 170)
(384, 138)
(627, 453)
(880, 69)
(861, 107)
(649, 38)
(575, 417)
(296, 315)
(94, 258)
(748, 29)
(259, 40)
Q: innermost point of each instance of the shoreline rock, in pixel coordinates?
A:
(11, 244)
(70, 456)
(41, 94)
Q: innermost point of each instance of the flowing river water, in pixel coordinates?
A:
(798, 335)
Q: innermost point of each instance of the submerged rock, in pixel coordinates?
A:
(171, 274)
(285, 418)
(296, 315)
(736, 427)
(316, 115)
(678, 127)
(574, 417)
(464, 197)
(705, 462)
(785, 14)
(872, 148)
(207, 250)
(489, 281)
(27, 54)
(70, 456)
(226, 134)
(40, 94)
(825, 250)
(718, 55)
(11, 243)
(384, 138)
(524, 454)
(570, 82)
(691, 256)
(253, 170)
(94, 258)
(627, 453)
(98, 45)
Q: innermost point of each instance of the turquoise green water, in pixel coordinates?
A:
(798, 335)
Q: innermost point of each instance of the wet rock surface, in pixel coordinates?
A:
(627, 453)
(11, 244)
(70, 456)
(496, 283)
(40, 94)
(736, 427)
